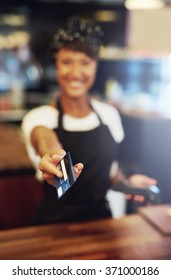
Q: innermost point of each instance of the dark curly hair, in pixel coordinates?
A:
(78, 35)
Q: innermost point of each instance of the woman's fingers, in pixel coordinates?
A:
(57, 156)
(137, 198)
(48, 166)
(47, 176)
(78, 169)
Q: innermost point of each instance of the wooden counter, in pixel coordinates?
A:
(131, 237)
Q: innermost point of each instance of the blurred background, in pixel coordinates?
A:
(134, 75)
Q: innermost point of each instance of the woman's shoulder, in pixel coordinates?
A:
(42, 110)
(42, 115)
(111, 117)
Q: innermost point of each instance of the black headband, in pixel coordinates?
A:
(75, 30)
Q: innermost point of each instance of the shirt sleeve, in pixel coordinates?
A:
(43, 115)
(116, 126)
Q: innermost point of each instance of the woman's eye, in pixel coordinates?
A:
(66, 61)
(86, 62)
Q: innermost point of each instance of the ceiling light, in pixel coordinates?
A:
(144, 4)
(13, 20)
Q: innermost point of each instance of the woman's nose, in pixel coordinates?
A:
(76, 70)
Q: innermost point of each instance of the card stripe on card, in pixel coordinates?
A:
(64, 170)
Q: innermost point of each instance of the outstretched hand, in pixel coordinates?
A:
(49, 169)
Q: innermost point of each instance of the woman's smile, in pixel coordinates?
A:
(76, 72)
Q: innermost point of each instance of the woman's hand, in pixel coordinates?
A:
(141, 181)
(48, 166)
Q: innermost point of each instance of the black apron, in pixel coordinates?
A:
(86, 199)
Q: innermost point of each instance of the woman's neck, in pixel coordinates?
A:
(76, 107)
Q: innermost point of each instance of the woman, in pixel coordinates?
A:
(89, 129)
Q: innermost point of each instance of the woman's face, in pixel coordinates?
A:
(76, 72)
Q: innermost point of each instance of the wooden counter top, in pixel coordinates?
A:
(131, 237)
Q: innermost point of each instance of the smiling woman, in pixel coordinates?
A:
(89, 129)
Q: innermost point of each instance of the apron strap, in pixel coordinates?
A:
(60, 121)
(100, 120)
(61, 112)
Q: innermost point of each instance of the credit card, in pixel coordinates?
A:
(66, 182)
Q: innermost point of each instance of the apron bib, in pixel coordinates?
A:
(86, 199)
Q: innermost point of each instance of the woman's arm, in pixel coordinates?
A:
(48, 146)
(44, 139)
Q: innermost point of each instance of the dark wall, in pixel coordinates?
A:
(146, 149)
(44, 18)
